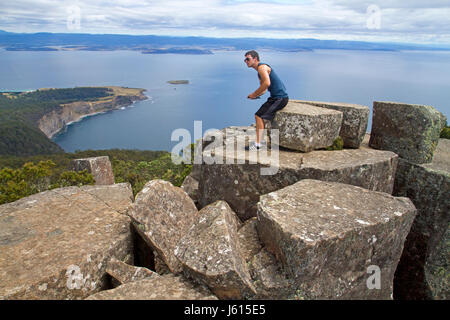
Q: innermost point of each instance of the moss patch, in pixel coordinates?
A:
(445, 132)
(338, 144)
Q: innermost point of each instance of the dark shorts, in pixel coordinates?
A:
(270, 107)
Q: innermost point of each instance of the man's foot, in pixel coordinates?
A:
(253, 146)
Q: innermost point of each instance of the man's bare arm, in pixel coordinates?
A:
(264, 82)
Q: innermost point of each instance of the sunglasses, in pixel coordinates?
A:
(246, 59)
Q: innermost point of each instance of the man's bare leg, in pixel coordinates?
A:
(259, 129)
(268, 127)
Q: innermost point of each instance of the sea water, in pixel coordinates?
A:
(218, 87)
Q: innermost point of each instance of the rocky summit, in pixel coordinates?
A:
(237, 177)
(99, 167)
(56, 244)
(328, 235)
(411, 131)
(210, 252)
(423, 269)
(168, 287)
(354, 121)
(305, 127)
(278, 223)
(122, 272)
(162, 214)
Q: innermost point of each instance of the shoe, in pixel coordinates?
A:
(252, 147)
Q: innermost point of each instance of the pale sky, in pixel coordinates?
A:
(410, 21)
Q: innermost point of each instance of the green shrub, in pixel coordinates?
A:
(445, 133)
(139, 173)
(34, 178)
(134, 166)
(73, 178)
(338, 144)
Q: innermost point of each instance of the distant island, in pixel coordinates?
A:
(28, 120)
(177, 50)
(178, 81)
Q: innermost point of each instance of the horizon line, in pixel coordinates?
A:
(441, 45)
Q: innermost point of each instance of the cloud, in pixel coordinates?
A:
(412, 20)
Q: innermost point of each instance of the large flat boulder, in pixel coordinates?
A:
(118, 196)
(238, 178)
(167, 287)
(210, 253)
(424, 268)
(162, 214)
(56, 244)
(305, 127)
(330, 236)
(354, 121)
(99, 167)
(412, 131)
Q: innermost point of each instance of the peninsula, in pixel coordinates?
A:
(52, 122)
(28, 120)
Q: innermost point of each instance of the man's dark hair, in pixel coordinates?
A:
(253, 53)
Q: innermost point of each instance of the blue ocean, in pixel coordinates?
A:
(218, 87)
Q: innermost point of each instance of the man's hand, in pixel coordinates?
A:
(264, 81)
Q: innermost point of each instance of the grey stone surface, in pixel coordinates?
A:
(118, 196)
(354, 121)
(423, 271)
(241, 182)
(412, 131)
(210, 253)
(248, 239)
(269, 278)
(267, 274)
(305, 127)
(167, 287)
(56, 244)
(190, 186)
(99, 167)
(124, 273)
(163, 213)
(327, 235)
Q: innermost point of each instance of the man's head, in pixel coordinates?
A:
(252, 59)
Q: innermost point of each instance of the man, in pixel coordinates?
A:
(278, 99)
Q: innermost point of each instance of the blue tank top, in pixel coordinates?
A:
(276, 88)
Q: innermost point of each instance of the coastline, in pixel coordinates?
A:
(54, 135)
(52, 123)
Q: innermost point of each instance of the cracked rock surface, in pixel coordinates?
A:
(210, 253)
(410, 130)
(56, 244)
(162, 214)
(354, 121)
(237, 177)
(306, 127)
(328, 234)
(167, 287)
